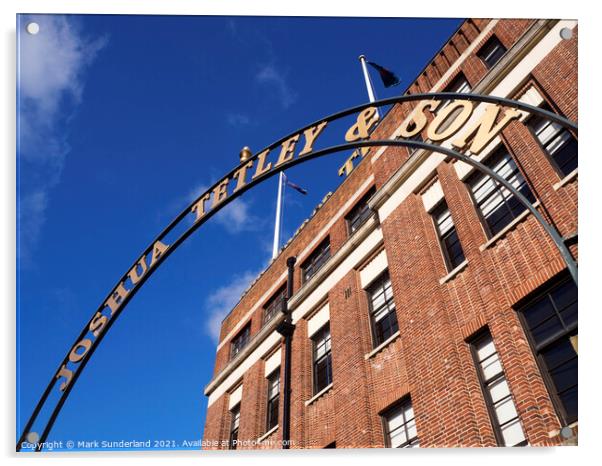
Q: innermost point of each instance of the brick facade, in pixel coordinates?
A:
(429, 359)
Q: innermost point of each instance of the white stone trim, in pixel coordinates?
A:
(382, 346)
(432, 196)
(507, 228)
(318, 320)
(300, 258)
(235, 397)
(373, 269)
(326, 389)
(314, 295)
(454, 272)
(418, 171)
(567, 179)
(267, 434)
(273, 362)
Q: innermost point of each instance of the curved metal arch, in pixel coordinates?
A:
(554, 235)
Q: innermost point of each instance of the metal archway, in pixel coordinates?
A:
(93, 327)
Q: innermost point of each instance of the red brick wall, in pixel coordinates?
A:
(430, 360)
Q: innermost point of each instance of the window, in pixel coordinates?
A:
(322, 359)
(360, 212)
(235, 421)
(491, 52)
(415, 138)
(502, 411)
(551, 323)
(274, 305)
(316, 260)
(459, 84)
(558, 143)
(448, 237)
(240, 340)
(273, 399)
(497, 205)
(400, 426)
(382, 309)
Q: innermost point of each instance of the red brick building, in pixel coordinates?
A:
(430, 307)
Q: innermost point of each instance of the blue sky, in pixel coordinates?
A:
(122, 121)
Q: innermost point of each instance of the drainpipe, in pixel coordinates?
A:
(286, 329)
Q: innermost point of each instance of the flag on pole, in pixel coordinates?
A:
(389, 78)
(282, 182)
(296, 187)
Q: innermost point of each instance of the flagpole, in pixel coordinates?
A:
(369, 86)
(276, 246)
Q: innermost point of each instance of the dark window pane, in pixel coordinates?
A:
(552, 338)
(559, 353)
(322, 359)
(273, 306)
(316, 260)
(240, 341)
(386, 327)
(566, 156)
(272, 414)
(382, 309)
(539, 311)
(360, 212)
(560, 145)
(273, 399)
(456, 254)
(546, 330)
(570, 402)
(448, 236)
(323, 373)
(569, 316)
(499, 206)
(565, 376)
(491, 52)
(564, 295)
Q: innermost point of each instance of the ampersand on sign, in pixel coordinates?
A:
(365, 121)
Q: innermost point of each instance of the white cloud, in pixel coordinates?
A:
(219, 303)
(51, 72)
(234, 218)
(269, 75)
(30, 217)
(237, 119)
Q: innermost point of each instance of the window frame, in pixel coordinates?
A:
(416, 138)
(473, 341)
(457, 78)
(274, 399)
(386, 414)
(487, 43)
(234, 416)
(549, 383)
(273, 304)
(246, 329)
(460, 77)
(365, 212)
(379, 283)
(498, 187)
(529, 123)
(320, 255)
(444, 249)
(327, 355)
